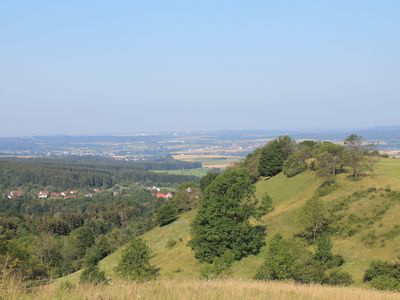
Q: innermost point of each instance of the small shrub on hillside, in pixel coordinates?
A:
(170, 243)
(394, 232)
(220, 266)
(178, 270)
(92, 274)
(326, 188)
(308, 270)
(383, 275)
(324, 254)
(295, 164)
(290, 259)
(66, 286)
(360, 194)
(266, 206)
(380, 268)
(278, 264)
(385, 282)
(392, 195)
(370, 239)
(135, 262)
(295, 170)
(339, 278)
(335, 261)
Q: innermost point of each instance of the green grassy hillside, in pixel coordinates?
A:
(367, 219)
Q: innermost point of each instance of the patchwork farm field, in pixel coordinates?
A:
(199, 172)
(210, 161)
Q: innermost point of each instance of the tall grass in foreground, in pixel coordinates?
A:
(199, 290)
(10, 287)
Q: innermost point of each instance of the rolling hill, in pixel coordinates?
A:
(366, 223)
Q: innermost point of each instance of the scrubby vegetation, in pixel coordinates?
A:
(383, 275)
(291, 259)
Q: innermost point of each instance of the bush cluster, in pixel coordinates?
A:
(291, 259)
(135, 262)
(383, 275)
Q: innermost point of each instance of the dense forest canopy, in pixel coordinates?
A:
(48, 238)
(65, 173)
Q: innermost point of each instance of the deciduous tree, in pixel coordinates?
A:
(222, 222)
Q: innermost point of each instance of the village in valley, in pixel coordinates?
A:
(44, 194)
(157, 192)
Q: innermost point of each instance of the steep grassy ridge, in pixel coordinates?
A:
(366, 218)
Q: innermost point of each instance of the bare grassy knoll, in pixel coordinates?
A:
(207, 290)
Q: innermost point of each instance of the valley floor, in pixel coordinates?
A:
(199, 290)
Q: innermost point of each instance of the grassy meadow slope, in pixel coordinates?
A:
(366, 222)
(204, 290)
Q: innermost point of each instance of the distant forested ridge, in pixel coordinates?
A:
(66, 173)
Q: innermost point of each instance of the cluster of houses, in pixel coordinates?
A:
(71, 194)
(157, 193)
(58, 195)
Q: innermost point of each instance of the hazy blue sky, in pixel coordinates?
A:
(127, 66)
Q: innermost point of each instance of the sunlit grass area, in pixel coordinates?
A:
(204, 290)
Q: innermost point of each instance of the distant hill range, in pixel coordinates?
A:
(158, 145)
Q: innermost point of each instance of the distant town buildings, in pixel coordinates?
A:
(56, 195)
(71, 194)
(74, 194)
(154, 189)
(156, 192)
(14, 194)
(163, 196)
(43, 194)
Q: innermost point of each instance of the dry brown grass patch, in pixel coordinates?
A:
(199, 290)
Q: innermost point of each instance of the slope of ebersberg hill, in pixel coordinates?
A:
(367, 220)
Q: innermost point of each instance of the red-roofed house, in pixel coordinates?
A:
(163, 196)
(14, 194)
